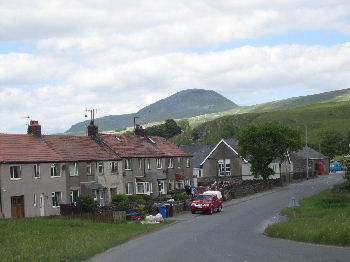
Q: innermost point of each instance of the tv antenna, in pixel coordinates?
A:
(92, 111)
(27, 117)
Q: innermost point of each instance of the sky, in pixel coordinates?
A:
(59, 58)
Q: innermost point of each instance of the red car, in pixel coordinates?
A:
(209, 201)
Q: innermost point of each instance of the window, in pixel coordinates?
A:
(88, 169)
(159, 163)
(114, 191)
(161, 187)
(114, 167)
(221, 167)
(34, 200)
(180, 185)
(148, 163)
(171, 185)
(15, 172)
(140, 163)
(73, 169)
(144, 188)
(179, 162)
(100, 167)
(129, 188)
(171, 163)
(228, 167)
(56, 199)
(55, 170)
(187, 162)
(101, 195)
(74, 194)
(36, 171)
(128, 164)
(140, 188)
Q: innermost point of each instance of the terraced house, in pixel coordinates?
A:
(39, 172)
(151, 165)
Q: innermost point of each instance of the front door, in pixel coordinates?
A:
(42, 205)
(17, 206)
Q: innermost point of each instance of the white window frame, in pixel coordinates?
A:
(128, 164)
(99, 167)
(73, 170)
(147, 188)
(179, 162)
(221, 167)
(72, 195)
(171, 163)
(171, 185)
(180, 184)
(55, 202)
(200, 172)
(12, 173)
(34, 200)
(159, 163)
(162, 187)
(129, 188)
(54, 168)
(142, 185)
(36, 170)
(88, 169)
(227, 167)
(187, 162)
(148, 163)
(114, 167)
(101, 193)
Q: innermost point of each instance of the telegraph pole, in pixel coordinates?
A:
(307, 154)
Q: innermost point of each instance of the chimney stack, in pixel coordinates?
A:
(92, 129)
(139, 131)
(34, 128)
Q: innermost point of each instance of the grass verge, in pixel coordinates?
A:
(40, 239)
(323, 218)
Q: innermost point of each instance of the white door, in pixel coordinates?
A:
(42, 205)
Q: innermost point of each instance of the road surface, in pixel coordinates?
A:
(233, 235)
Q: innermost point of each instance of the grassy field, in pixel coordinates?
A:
(323, 219)
(40, 239)
(318, 117)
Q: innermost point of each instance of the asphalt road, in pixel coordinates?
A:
(233, 235)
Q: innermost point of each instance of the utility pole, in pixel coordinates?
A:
(135, 121)
(307, 154)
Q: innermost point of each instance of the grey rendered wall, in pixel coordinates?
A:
(28, 186)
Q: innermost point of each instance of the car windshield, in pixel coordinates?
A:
(204, 197)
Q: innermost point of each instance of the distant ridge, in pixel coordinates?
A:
(184, 104)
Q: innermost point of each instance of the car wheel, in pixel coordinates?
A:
(219, 208)
(193, 211)
(211, 210)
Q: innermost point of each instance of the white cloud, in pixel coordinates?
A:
(120, 56)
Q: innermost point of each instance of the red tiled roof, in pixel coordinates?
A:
(136, 146)
(79, 148)
(25, 148)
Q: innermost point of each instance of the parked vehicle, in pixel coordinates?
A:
(209, 201)
(335, 166)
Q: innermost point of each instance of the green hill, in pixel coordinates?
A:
(318, 117)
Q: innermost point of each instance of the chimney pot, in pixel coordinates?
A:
(92, 129)
(139, 131)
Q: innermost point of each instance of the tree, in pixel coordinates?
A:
(227, 130)
(263, 143)
(184, 124)
(333, 143)
(166, 130)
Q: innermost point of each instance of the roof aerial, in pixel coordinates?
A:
(150, 139)
(118, 138)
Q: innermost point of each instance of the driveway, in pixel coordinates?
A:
(233, 235)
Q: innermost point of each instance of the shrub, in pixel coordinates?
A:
(119, 198)
(147, 198)
(135, 198)
(89, 205)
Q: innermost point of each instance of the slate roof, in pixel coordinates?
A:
(199, 152)
(79, 148)
(137, 146)
(25, 149)
(308, 151)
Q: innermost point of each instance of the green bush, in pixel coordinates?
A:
(147, 198)
(135, 198)
(89, 205)
(119, 198)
